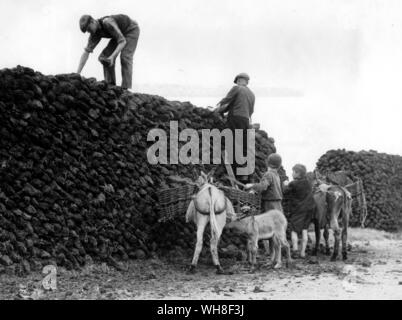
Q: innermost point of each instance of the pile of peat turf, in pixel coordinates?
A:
(75, 182)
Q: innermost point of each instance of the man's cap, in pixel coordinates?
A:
(242, 75)
(274, 161)
(84, 22)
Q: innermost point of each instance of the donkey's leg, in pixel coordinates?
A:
(202, 221)
(249, 251)
(326, 238)
(304, 243)
(221, 221)
(254, 249)
(344, 242)
(345, 222)
(273, 249)
(317, 232)
(266, 244)
(278, 253)
(285, 243)
(337, 233)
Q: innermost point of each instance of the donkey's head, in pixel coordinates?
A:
(204, 178)
(315, 178)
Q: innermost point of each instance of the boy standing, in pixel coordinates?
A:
(270, 185)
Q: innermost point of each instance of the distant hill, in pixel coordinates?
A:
(198, 91)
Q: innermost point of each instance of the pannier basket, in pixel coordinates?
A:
(174, 202)
(241, 198)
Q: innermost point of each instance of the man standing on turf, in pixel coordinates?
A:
(124, 34)
(239, 103)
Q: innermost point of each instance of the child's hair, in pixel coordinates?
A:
(274, 161)
(300, 169)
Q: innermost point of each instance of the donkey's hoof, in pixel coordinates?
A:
(295, 255)
(327, 252)
(278, 266)
(344, 256)
(314, 252)
(192, 269)
(333, 258)
(219, 270)
(290, 263)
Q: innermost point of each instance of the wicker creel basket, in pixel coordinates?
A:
(240, 198)
(174, 202)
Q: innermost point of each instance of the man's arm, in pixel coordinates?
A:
(113, 28)
(251, 111)
(92, 43)
(83, 61)
(262, 185)
(225, 102)
(221, 108)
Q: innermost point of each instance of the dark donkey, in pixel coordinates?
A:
(333, 210)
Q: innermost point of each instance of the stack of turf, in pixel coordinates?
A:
(382, 179)
(75, 183)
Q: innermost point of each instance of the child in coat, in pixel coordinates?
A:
(270, 185)
(301, 207)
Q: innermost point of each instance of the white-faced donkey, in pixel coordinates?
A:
(270, 225)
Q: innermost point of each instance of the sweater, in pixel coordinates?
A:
(240, 101)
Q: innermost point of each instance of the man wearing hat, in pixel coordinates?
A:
(124, 34)
(239, 103)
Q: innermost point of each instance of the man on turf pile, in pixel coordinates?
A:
(124, 34)
(239, 103)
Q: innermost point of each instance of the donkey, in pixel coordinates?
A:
(334, 207)
(209, 205)
(339, 208)
(270, 225)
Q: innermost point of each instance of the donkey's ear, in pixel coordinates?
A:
(212, 172)
(195, 173)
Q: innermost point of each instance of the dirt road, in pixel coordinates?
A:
(373, 271)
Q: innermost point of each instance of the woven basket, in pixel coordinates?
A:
(356, 188)
(240, 198)
(174, 202)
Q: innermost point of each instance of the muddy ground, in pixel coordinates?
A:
(373, 271)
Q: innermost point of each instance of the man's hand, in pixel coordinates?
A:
(248, 186)
(217, 108)
(110, 61)
(286, 183)
(221, 108)
(106, 61)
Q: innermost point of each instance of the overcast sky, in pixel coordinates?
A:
(344, 56)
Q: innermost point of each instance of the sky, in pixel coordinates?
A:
(345, 57)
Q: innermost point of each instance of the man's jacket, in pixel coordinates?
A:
(240, 100)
